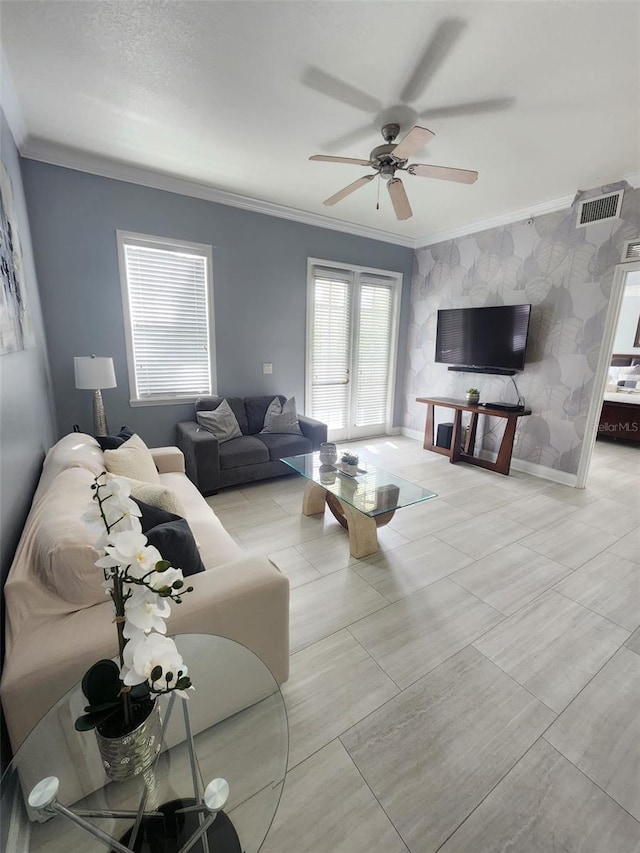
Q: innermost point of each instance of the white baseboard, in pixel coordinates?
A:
(412, 433)
(544, 472)
(541, 471)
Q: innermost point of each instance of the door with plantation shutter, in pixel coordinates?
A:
(352, 337)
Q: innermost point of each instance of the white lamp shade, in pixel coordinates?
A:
(94, 372)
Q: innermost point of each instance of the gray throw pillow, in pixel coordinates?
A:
(222, 423)
(282, 418)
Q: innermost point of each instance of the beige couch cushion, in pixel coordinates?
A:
(132, 459)
(156, 494)
(75, 450)
(65, 552)
(215, 544)
(65, 556)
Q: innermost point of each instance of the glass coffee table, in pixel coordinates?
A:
(361, 502)
(239, 738)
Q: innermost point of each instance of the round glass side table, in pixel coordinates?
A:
(234, 731)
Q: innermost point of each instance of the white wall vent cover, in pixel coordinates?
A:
(631, 251)
(599, 209)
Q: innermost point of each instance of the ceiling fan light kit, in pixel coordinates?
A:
(391, 157)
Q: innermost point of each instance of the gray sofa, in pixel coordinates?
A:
(212, 465)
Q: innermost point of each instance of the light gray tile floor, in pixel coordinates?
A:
(553, 647)
(600, 731)
(608, 584)
(544, 805)
(456, 759)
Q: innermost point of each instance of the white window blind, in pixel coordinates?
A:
(373, 352)
(167, 288)
(331, 346)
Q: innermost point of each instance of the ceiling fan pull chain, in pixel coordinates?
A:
(378, 199)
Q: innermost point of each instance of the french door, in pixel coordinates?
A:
(352, 331)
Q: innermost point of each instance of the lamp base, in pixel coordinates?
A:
(99, 415)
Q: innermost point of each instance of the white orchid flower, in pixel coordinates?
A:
(158, 580)
(130, 548)
(145, 611)
(142, 655)
(112, 507)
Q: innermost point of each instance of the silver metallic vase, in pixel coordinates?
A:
(133, 753)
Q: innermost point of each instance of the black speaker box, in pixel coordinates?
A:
(445, 432)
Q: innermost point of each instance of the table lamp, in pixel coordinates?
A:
(94, 373)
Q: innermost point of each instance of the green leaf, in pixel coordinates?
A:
(91, 721)
(105, 706)
(139, 691)
(101, 682)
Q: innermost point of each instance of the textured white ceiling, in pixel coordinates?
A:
(541, 98)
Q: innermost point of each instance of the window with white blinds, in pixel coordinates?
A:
(167, 300)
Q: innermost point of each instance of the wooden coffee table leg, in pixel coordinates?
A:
(313, 499)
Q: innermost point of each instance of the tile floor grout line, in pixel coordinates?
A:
(509, 615)
(477, 806)
(474, 595)
(595, 612)
(519, 683)
(377, 663)
(318, 639)
(588, 560)
(351, 759)
(586, 775)
(584, 687)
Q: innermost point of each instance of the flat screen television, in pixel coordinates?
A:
(489, 340)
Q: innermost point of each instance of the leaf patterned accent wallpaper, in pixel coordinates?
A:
(566, 273)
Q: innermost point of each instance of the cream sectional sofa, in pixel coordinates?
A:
(58, 617)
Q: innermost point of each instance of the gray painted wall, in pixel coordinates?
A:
(566, 273)
(259, 271)
(26, 406)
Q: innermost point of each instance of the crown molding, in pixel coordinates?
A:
(521, 215)
(497, 221)
(81, 161)
(10, 103)
(71, 158)
(633, 179)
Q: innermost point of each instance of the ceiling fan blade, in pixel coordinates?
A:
(326, 84)
(469, 108)
(399, 199)
(412, 142)
(339, 143)
(343, 193)
(446, 34)
(443, 173)
(325, 158)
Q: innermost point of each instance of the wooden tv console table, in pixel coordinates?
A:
(456, 452)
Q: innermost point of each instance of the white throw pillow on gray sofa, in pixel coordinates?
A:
(282, 418)
(221, 422)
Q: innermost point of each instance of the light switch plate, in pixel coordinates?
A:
(267, 368)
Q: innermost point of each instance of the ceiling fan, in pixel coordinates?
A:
(392, 157)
